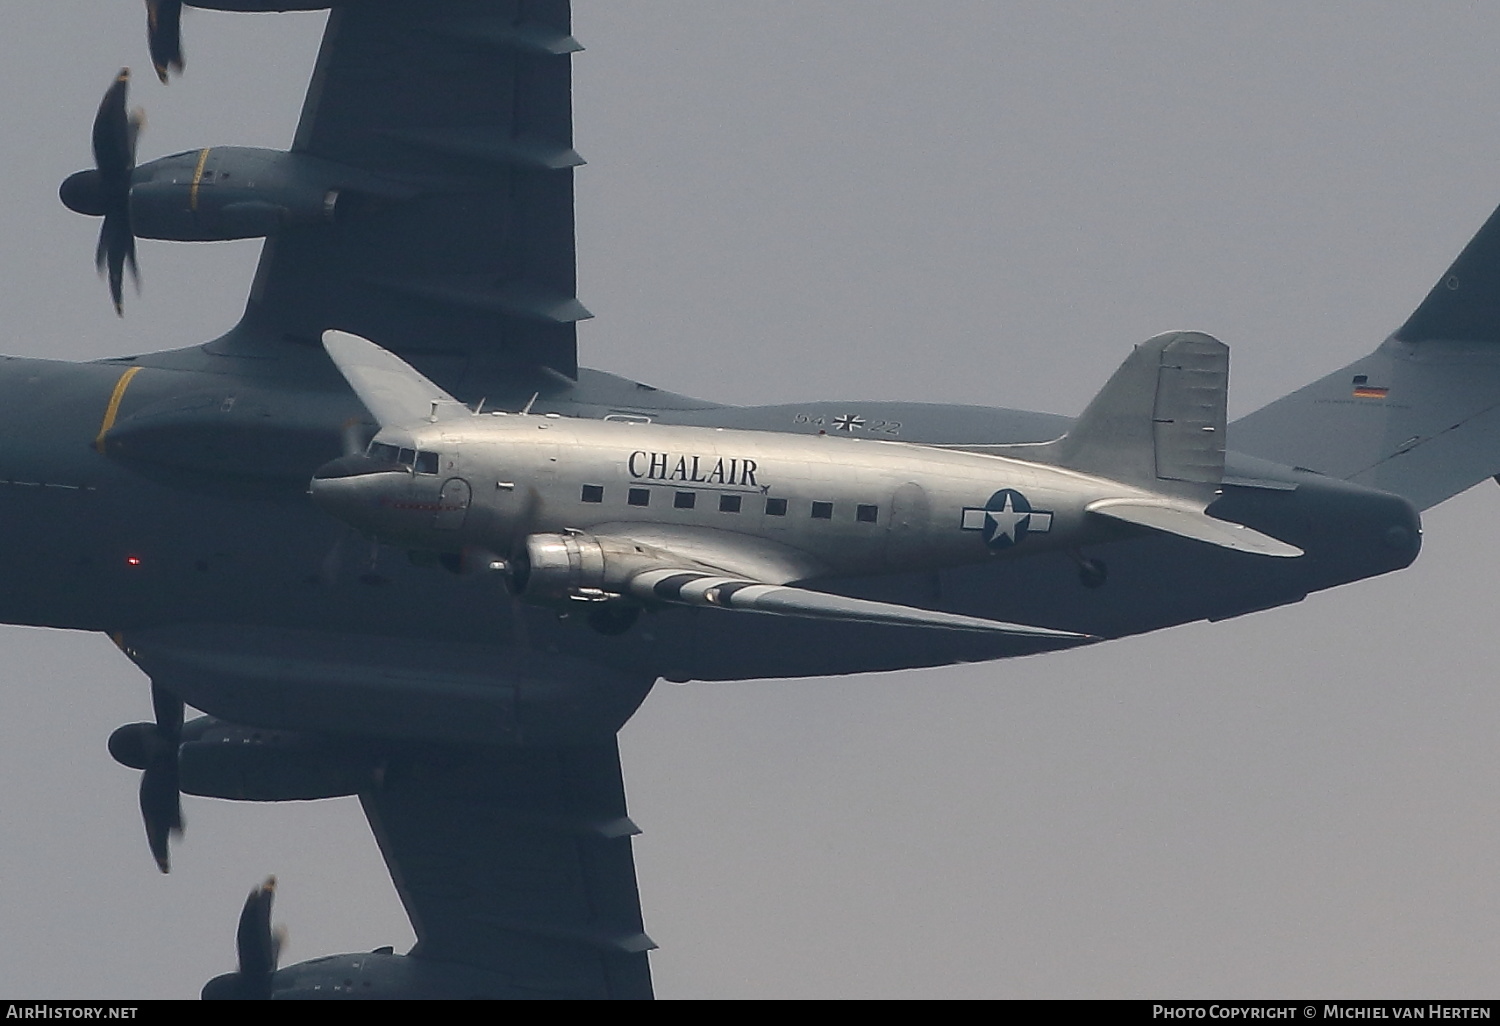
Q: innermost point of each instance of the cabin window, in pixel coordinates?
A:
(685, 500)
(427, 463)
(639, 497)
(729, 504)
(866, 514)
(593, 493)
(822, 511)
(775, 507)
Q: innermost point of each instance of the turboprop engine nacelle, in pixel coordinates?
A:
(217, 194)
(217, 759)
(228, 192)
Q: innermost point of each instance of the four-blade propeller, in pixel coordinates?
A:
(105, 190)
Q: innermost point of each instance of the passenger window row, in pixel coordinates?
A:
(865, 513)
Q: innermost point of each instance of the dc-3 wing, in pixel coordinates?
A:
(684, 585)
(392, 390)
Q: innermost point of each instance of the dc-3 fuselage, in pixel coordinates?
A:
(621, 512)
(843, 505)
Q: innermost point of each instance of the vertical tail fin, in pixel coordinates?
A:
(1420, 416)
(1159, 421)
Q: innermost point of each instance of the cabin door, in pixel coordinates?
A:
(453, 504)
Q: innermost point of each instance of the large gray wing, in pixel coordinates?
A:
(462, 110)
(517, 861)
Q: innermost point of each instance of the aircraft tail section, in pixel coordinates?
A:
(1420, 416)
(1160, 418)
(1157, 424)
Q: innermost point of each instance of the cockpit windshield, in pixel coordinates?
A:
(419, 461)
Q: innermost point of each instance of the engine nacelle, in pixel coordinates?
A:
(229, 192)
(559, 566)
(378, 974)
(224, 760)
(246, 764)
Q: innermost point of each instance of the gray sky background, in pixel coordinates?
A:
(968, 202)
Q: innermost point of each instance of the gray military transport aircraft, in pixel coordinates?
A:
(575, 536)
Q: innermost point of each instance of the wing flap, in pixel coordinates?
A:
(696, 588)
(1190, 522)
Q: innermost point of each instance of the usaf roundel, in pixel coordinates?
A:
(1006, 519)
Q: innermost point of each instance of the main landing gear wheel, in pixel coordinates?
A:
(1092, 573)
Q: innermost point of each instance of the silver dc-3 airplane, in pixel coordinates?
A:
(196, 504)
(620, 514)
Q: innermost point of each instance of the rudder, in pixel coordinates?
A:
(1159, 420)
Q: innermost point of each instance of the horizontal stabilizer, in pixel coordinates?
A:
(695, 588)
(392, 390)
(1187, 521)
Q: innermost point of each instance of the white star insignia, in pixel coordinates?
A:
(1002, 522)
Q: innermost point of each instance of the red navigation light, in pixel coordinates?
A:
(132, 560)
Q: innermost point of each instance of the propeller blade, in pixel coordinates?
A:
(257, 949)
(161, 793)
(164, 36)
(161, 811)
(106, 190)
(168, 710)
(115, 254)
(113, 137)
(354, 436)
(257, 946)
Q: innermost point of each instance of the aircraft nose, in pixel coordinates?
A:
(354, 465)
(347, 487)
